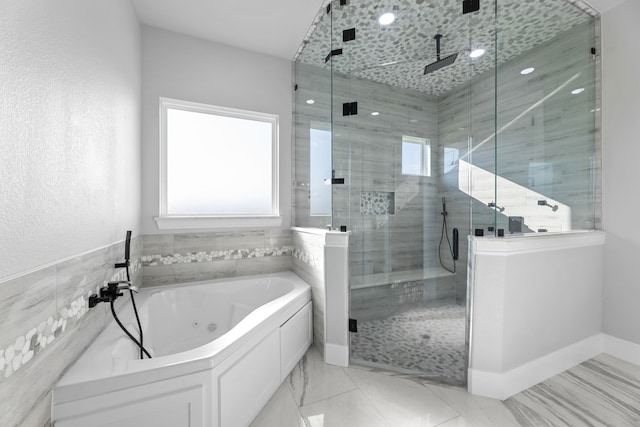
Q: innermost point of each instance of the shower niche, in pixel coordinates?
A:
(419, 123)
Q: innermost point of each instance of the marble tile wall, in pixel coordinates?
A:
(47, 324)
(540, 122)
(189, 257)
(367, 152)
(381, 302)
(310, 267)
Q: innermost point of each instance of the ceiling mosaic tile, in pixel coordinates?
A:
(397, 54)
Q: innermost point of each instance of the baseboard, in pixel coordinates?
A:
(337, 355)
(622, 349)
(504, 385)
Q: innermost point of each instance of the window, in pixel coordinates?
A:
(416, 156)
(319, 170)
(219, 166)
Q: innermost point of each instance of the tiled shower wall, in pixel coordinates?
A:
(539, 121)
(400, 232)
(558, 131)
(47, 324)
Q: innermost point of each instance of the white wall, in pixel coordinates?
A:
(191, 69)
(69, 183)
(537, 308)
(69, 129)
(621, 153)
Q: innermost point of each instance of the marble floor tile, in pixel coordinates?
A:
(456, 422)
(350, 409)
(598, 392)
(313, 380)
(602, 391)
(403, 403)
(280, 411)
(480, 411)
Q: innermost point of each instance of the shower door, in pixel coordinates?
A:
(401, 123)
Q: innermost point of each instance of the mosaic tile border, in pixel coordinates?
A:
(208, 256)
(228, 255)
(307, 258)
(26, 347)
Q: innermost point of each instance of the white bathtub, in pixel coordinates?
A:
(220, 350)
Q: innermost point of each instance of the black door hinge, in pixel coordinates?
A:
(469, 6)
(348, 35)
(349, 108)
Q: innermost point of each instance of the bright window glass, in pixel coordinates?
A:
(416, 156)
(320, 172)
(218, 161)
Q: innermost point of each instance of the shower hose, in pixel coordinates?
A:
(139, 344)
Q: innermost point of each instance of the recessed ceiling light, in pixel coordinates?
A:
(375, 113)
(577, 91)
(527, 71)
(310, 101)
(386, 18)
(476, 53)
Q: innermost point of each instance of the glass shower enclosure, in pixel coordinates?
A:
(416, 133)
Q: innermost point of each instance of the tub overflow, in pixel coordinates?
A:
(212, 327)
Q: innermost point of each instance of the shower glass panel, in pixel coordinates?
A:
(398, 135)
(312, 131)
(436, 125)
(546, 111)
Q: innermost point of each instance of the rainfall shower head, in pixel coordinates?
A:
(440, 63)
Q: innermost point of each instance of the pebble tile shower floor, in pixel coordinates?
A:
(428, 342)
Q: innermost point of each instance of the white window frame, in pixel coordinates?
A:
(166, 221)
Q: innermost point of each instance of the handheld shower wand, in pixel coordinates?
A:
(132, 289)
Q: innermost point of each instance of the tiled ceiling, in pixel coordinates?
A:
(397, 54)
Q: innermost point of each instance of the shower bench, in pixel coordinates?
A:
(377, 296)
